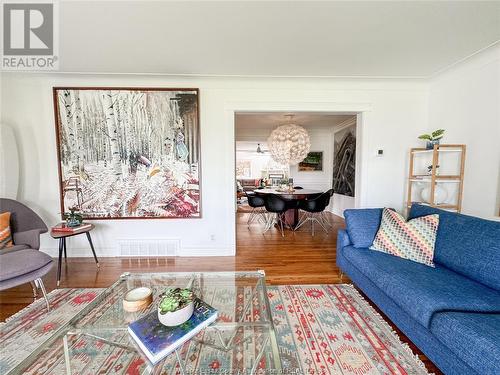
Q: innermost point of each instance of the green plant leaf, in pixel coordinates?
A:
(425, 137)
(186, 294)
(437, 133)
(175, 299)
(168, 304)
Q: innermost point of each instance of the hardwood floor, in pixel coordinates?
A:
(298, 258)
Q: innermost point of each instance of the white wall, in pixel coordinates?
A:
(9, 163)
(465, 101)
(395, 113)
(321, 140)
(258, 162)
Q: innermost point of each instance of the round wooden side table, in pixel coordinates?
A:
(61, 236)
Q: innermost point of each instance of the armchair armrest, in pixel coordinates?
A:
(28, 237)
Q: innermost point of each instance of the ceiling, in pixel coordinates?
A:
(271, 120)
(274, 38)
(249, 146)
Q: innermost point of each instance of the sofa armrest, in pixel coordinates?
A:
(343, 239)
(30, 238)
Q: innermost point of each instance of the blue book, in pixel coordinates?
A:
(157, 340)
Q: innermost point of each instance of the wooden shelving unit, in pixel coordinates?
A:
(434, 178)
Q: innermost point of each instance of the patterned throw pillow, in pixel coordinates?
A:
(413, 240)
(5, 236)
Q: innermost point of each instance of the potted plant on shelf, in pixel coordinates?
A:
(176, 306)
(433, 138)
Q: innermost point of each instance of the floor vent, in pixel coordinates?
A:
(145, 247)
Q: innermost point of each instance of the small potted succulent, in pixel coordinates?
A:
(73, 218)
(433, 138)
(176, 306)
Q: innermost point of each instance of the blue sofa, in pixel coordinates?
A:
(451, 312)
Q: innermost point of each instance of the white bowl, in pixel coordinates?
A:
(175, 318)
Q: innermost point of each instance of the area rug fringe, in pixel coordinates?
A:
(383, 323)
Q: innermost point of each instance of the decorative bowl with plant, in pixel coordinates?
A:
(176, 306)
(73, 218)
(432, 139)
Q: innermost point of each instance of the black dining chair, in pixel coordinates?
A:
(257, 203)
(313, 211)
(276, 208)
(324, 215)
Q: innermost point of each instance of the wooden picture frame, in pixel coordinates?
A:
(128, 152)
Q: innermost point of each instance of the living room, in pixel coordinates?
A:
(409, 69)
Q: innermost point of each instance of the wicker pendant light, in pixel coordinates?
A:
(289, 144)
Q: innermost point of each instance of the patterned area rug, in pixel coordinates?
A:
(321, 329)
(26, 330)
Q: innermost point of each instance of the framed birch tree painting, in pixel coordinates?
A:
(128, 153)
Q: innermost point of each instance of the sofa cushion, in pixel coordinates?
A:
(466, 244)
(474, 338)
(5, 234)
(413, 239)
(21, 262)
(362, 225)
(420, 290)
(14, 248)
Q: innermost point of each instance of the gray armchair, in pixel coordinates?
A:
(23, 263)
(25, 225)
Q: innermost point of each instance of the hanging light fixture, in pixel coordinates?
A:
(289, 143)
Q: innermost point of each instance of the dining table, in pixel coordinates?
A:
(292, 214)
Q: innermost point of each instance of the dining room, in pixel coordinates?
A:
(295, 174)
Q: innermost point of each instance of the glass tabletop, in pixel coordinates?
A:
(96, 340)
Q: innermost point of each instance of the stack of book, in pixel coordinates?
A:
(63, 228)
(157, 340)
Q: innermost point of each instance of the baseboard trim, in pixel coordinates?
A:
(85, 252)
(82, 252)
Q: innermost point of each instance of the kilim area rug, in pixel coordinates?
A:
(321, 329)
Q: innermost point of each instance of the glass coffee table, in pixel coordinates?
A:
(96, 340)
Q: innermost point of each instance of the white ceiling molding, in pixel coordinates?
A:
(349, 122)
